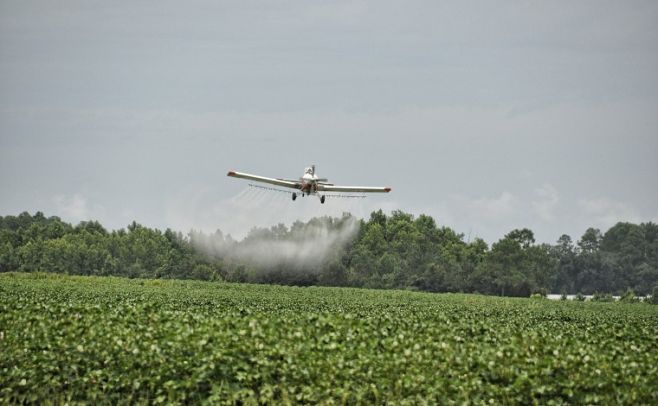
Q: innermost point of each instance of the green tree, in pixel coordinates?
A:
(566, 272)
(590, 241)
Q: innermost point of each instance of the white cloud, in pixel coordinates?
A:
(547, 200)
(490, 208)
(604, 212)
(76, 208)
(488, 217)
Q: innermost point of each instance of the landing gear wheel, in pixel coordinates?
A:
(294, 196)
(322, 199)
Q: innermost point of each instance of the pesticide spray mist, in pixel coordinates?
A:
(304, 246)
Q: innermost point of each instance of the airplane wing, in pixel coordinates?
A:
(352, 189)
(263, 179)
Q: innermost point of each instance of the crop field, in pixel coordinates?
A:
(112, 340)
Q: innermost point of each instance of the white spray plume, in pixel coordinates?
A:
(202, 209)
(303, 246)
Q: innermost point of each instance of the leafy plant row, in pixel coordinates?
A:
(114, 340)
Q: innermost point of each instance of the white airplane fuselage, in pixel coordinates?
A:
(309, 181)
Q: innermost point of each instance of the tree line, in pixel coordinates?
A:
(396, 251)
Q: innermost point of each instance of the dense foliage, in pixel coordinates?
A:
(39, 244)
(385, 251)
(66, 339)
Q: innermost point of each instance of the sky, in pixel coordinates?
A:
(488, 116)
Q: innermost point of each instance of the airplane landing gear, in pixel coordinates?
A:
(294, 196)
(322, 199)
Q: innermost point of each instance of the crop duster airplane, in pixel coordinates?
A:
(310, 184)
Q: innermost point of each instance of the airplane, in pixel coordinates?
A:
(309, 184)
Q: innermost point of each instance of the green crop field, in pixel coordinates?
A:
(93, 339)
